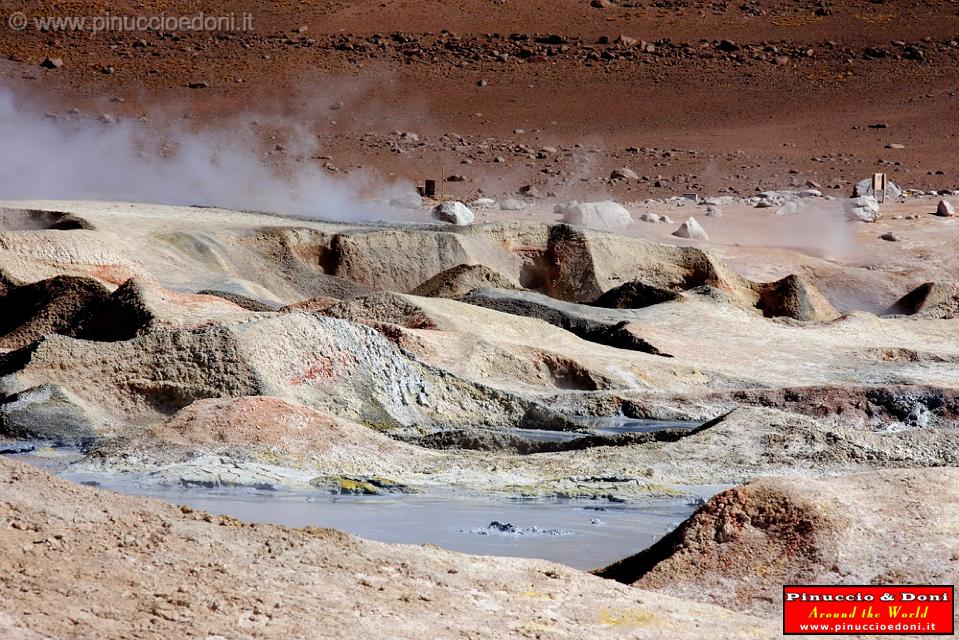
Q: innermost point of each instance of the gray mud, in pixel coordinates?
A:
(583, 534)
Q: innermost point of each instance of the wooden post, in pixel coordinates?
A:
(879, 186)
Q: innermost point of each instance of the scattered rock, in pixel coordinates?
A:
(454, 212)
(788, 208)
(945, 209)
(512, 204)
(889, 236)
(52, 63)
(606, 215)
(862, 209)
(691, 229)
(623, 173)
(407, 200)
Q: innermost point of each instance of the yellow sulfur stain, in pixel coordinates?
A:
(626, 617)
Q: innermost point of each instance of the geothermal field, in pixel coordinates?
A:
(556, 320)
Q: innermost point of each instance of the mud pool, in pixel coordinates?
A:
(584, 534)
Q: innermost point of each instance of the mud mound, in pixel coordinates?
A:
(244, 302)
(794, 297)
(264, 430)
(32, 311)
(744, 544)
(634, 295)
(382, 307)
(938, 300)
(313, 305)
(37, 220)
(460, 280)
(560, 261)
(328, 364)
(302, 259)
(138, 306)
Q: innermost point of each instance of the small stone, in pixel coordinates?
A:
(889, 236)
(714, 212)
(52, 63)
(199, 85)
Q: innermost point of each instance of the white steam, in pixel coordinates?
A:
(84, 159)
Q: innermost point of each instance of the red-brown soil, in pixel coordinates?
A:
(790, 100)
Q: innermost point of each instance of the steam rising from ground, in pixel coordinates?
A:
(84, 159)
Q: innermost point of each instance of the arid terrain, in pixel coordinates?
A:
(692, 96)
(654, 296)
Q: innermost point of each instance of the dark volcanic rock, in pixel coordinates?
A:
(589, 323)
(635, 295)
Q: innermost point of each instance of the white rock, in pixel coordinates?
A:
(408, 200)
(596, 215)
(691, 229)
(789, 207)
(623, 173)
(864, 188)
(863, 209)
(946, 209)
(483, 203)
(714, 212)
(809, 193)
(650, 217)
(454, 212)
(666, 219)
(718, 201)
(512, 204)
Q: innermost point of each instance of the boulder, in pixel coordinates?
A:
(945, 209)
(605, 215)
(454, 212)
(864, 188)
(512, 204)
(862, 209)
(692, 230)
(623, 173)
(789, 207)
(406, 200)
(483, 203)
